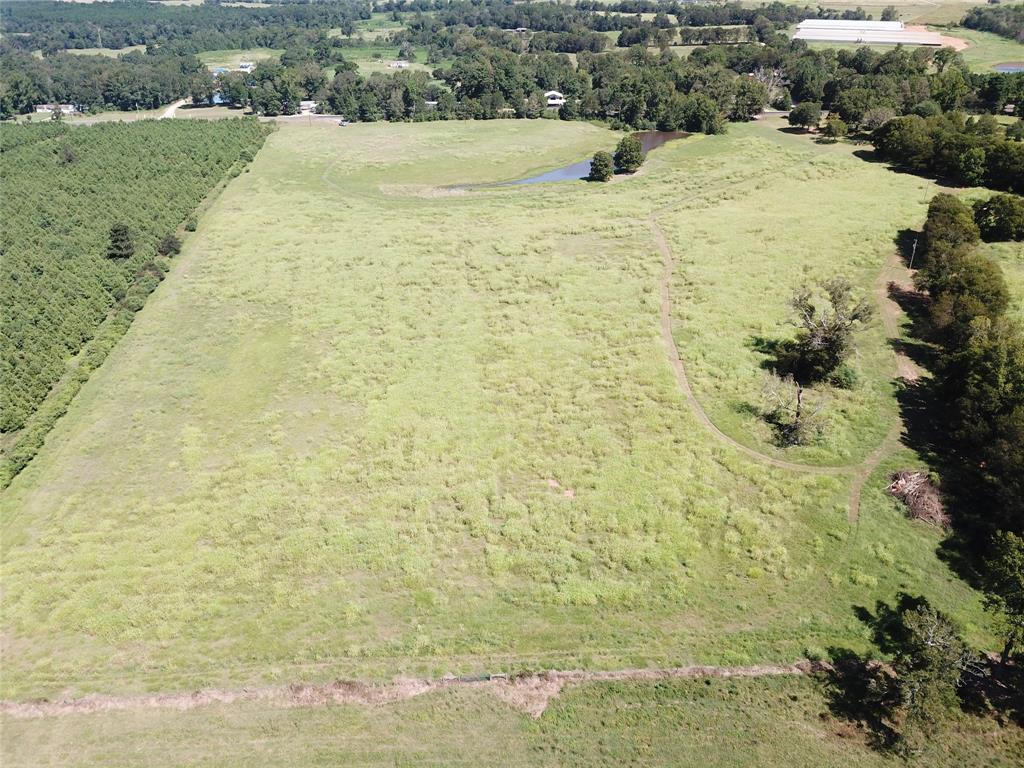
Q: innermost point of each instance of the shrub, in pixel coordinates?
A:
(169, 246)
(835, 128)
(191, 224)
(601, 167)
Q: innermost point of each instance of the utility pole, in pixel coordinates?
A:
(913, 253)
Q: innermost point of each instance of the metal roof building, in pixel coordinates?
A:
(847, 31)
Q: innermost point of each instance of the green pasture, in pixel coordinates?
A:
(910, 11)
(378, 26)
(376, 422)
(230, 59)
(766, 723)
(112, 53)
(376, 57)
(986, 49)
(1011, 258)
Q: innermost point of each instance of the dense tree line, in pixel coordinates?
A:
(974, 152)
(84, 210)
(1004, 20)
(135, 80)
(52, 26)
(979, 378)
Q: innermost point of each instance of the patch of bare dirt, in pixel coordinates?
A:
(956, 43)
(530, 694)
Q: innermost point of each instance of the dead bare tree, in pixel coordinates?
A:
(797, 421)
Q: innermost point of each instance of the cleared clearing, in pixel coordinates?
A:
(340, 438)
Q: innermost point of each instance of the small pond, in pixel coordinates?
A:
(1009, 66)
(648, 140)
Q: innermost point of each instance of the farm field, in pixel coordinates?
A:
(420, 428)
(767, 723)
(230, 59)
(376, 57)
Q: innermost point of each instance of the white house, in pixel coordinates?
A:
(46, 109)
(555, 99)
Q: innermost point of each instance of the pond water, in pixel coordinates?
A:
(648, 140)
(1009, 66)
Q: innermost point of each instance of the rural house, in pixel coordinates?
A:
(554, 98)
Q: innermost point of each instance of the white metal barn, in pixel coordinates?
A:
(844, 31)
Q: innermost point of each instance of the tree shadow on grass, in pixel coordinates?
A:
(860, 689)
(853, 689)
(773, 351)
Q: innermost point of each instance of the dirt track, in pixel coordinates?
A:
(528, 693)
(892, 272)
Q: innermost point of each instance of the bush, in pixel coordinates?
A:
(629, 155)
(783, 100)
(169, 246)
(191, 224)
(601, 167)
(835, 128)
(927, 108)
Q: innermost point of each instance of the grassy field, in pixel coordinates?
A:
(112, 53)
(1011, 258)
(371, 424)
(771, 723)
(232, 58)
(985, 50)
(910, 11)
(376, 57)
(378, 26)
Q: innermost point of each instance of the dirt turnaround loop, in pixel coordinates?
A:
(527, 693)
(893, 272)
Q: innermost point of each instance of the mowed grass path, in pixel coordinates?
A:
(371, 425)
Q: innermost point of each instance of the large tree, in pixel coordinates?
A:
(629, 154)
(602, 167)
(825, 336)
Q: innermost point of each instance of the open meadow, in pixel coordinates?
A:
(378, 421)
(232, 59)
